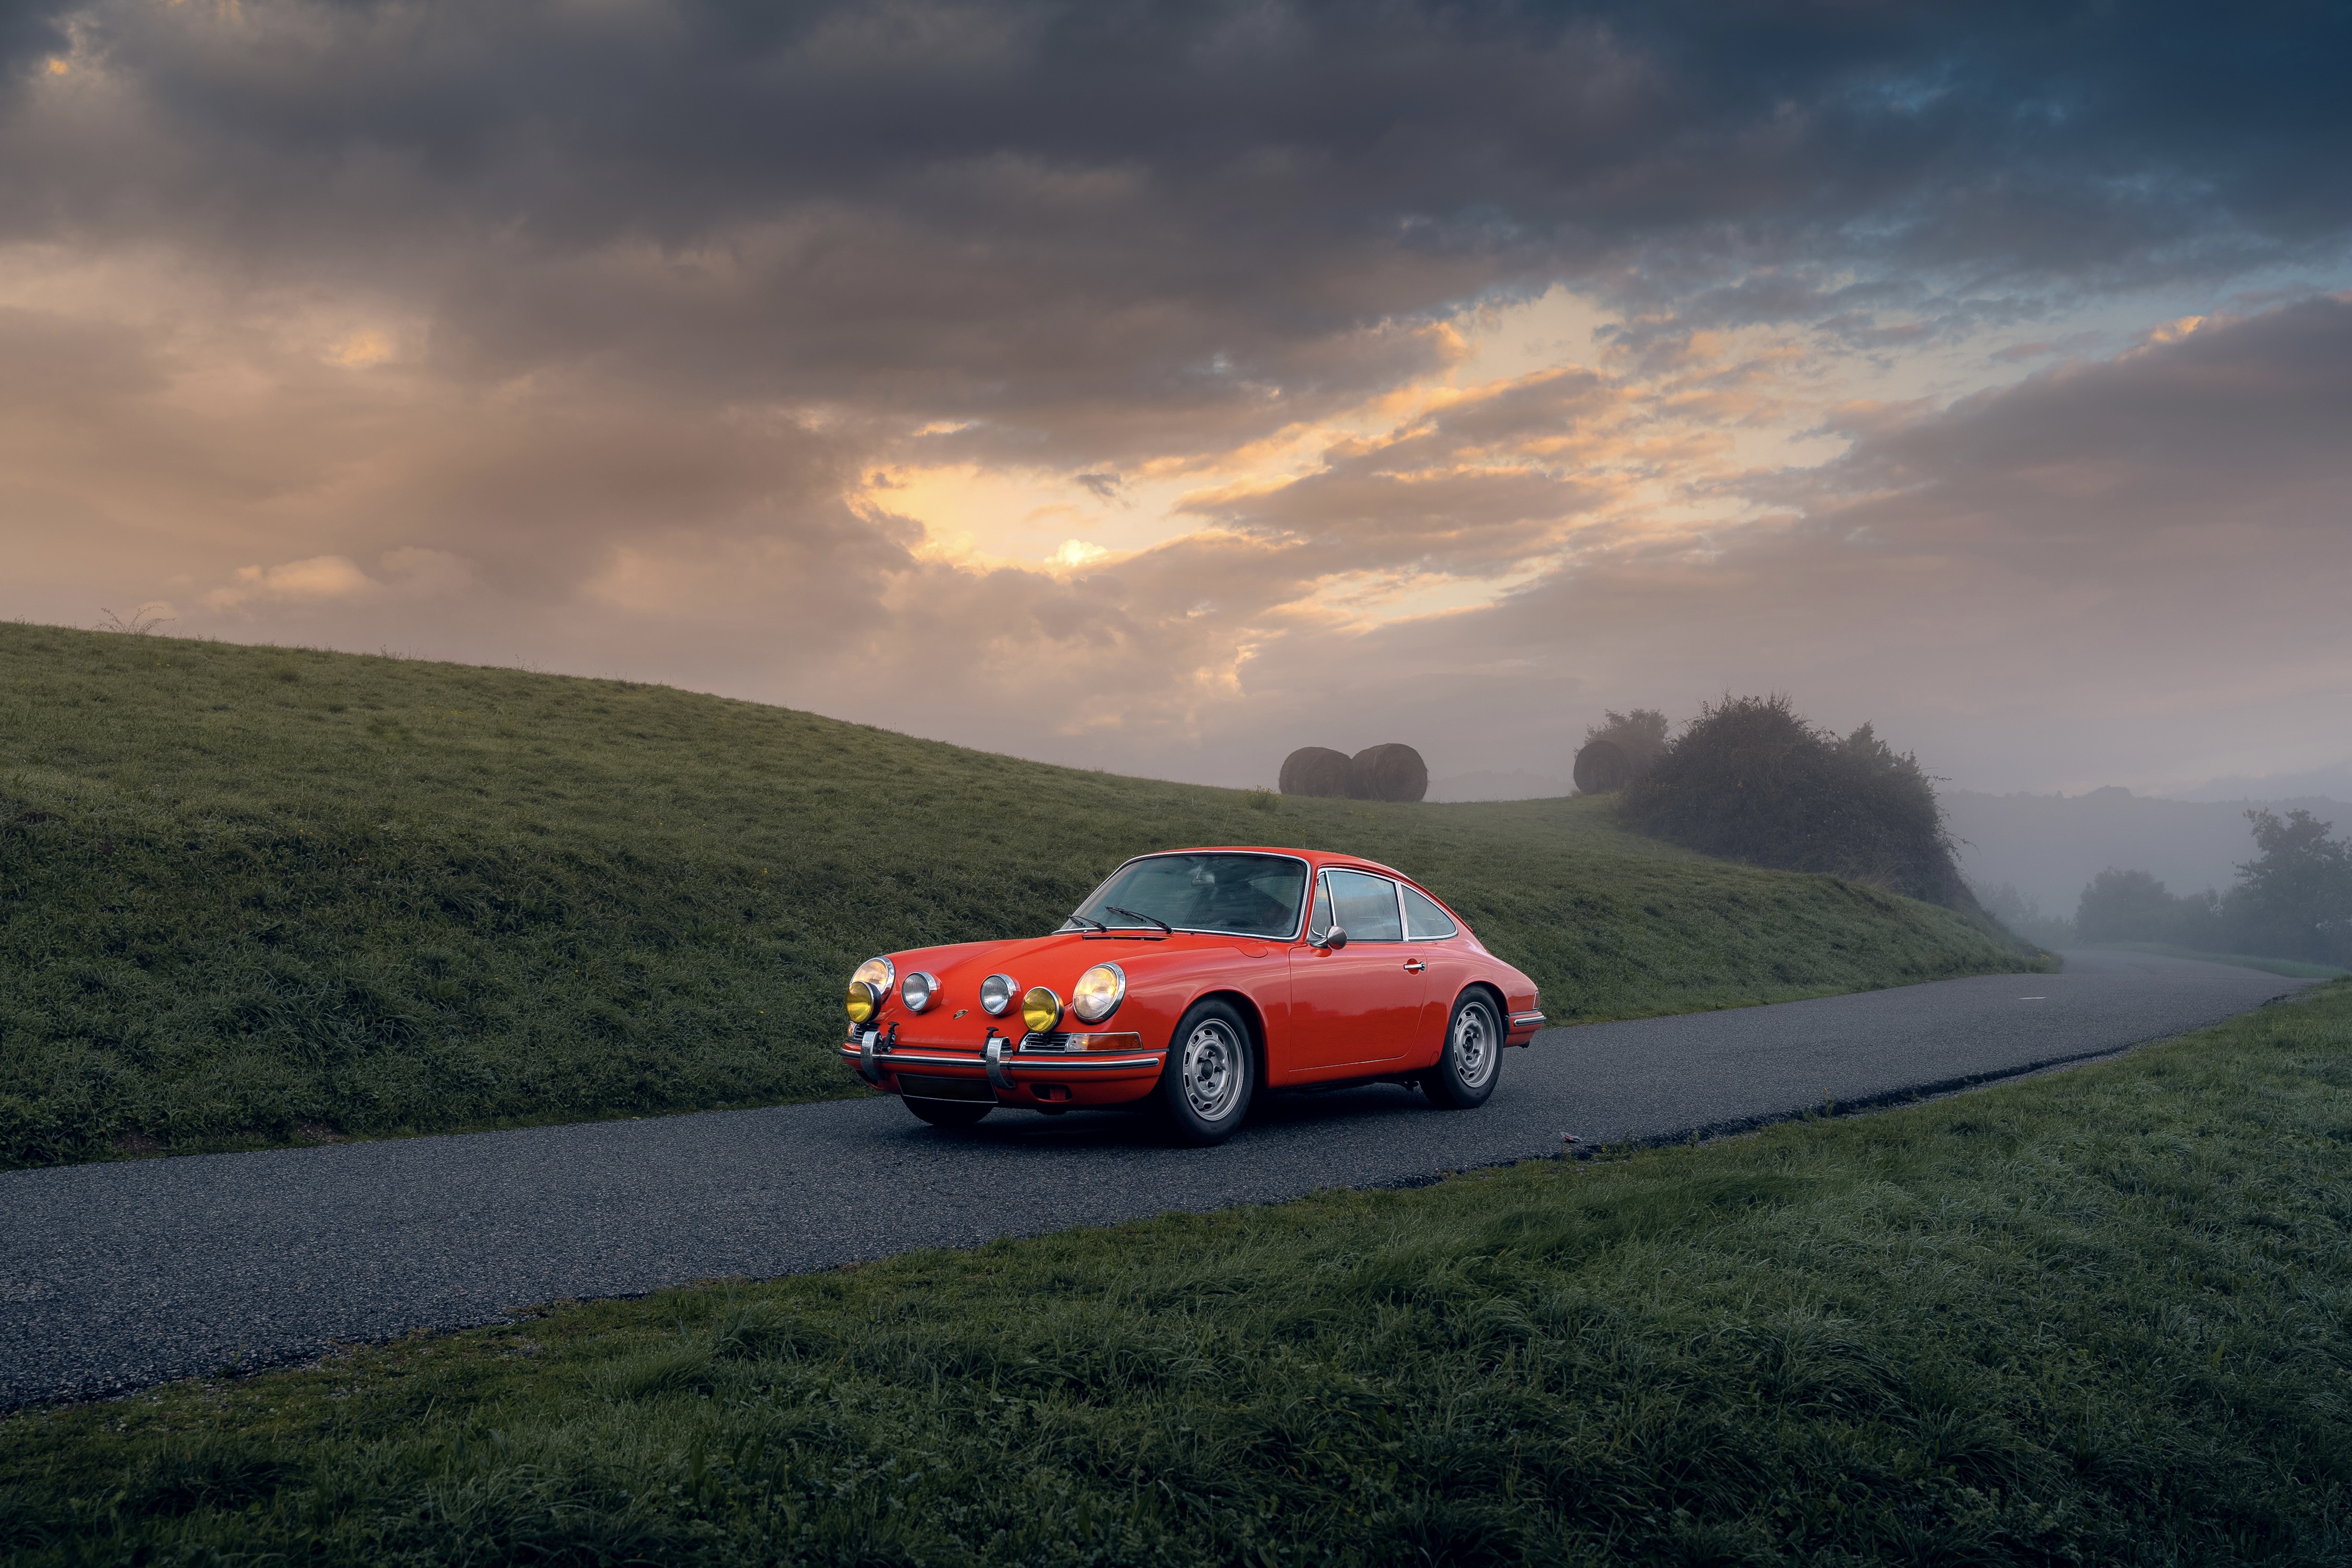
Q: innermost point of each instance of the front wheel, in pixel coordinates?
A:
(1205, 1091)
(1466, 1074)
(948, 1113)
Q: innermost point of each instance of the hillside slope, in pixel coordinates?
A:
(253, 894)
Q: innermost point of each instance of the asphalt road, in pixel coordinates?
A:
(116, 1276)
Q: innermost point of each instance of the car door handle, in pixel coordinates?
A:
(1415, 966)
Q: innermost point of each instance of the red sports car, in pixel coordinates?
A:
(1189, 982)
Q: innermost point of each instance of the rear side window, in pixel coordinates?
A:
(1422, 918)
(1364, 906)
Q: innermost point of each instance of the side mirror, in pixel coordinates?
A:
(1335, 939)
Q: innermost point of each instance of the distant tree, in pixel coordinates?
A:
(2125, 906)
(2021, 914)
(1749, 780)
(2294, 899)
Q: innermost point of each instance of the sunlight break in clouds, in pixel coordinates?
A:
(1143, 388)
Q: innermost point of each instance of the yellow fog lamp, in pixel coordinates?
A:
(868, 984)
(1040, 1010)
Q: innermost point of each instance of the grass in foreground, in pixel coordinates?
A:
(248, 894)
(2103, 1316)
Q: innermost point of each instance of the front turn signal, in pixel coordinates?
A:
(862, 1002)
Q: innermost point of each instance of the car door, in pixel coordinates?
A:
(1434, 936)
(1359, 1005)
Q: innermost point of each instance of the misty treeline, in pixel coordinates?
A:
(2292, 900)
(1751, 780)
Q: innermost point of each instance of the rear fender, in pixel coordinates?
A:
(1493, 996)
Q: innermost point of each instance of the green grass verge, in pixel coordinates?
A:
(244, 891)
(2293, 968)
(2100, 1316)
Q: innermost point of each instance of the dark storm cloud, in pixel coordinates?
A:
(2226, 423)
(1017, 212)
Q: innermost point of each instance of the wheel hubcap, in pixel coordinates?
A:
(1474, 1046)
(1212, 1071)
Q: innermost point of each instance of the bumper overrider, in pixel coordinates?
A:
(1062, 1068)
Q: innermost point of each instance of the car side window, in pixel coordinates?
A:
(1364, 906)
(1423, 920)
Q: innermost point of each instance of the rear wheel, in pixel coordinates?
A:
(1473, 1059)
(1204, 1092)
(948, 1113)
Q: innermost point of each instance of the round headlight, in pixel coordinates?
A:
(1098, 991)
(917, 989)
(1041, 1010)
(862, 1002)
(997, 993)
(877, 973)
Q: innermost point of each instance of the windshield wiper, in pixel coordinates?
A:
(1088, 921)
(1165, 928)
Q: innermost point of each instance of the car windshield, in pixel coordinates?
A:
(1247, 895)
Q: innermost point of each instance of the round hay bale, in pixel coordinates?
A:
(1602, 766)
(1313, 769)
(1389, 772)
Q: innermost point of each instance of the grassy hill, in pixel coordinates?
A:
(255, 895)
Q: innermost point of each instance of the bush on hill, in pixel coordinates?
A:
(1749, 780)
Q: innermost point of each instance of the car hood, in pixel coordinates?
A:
(1054, 960)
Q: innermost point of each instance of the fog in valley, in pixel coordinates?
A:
(2048, 847)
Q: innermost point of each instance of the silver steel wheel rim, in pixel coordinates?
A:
(1474, 1046)
(1212, 1071)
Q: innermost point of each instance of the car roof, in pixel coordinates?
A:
(1318, 858)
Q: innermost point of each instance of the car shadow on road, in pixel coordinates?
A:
(1273, 1114)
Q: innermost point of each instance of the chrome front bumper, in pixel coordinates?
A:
(872, 1057)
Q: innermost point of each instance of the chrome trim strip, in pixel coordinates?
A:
(1049, 1063)
(1522, 1020)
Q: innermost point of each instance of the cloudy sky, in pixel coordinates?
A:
(1161, 387)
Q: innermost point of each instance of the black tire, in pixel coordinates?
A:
(947, 1112)
(1473, 1057)
(1204, 1091)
